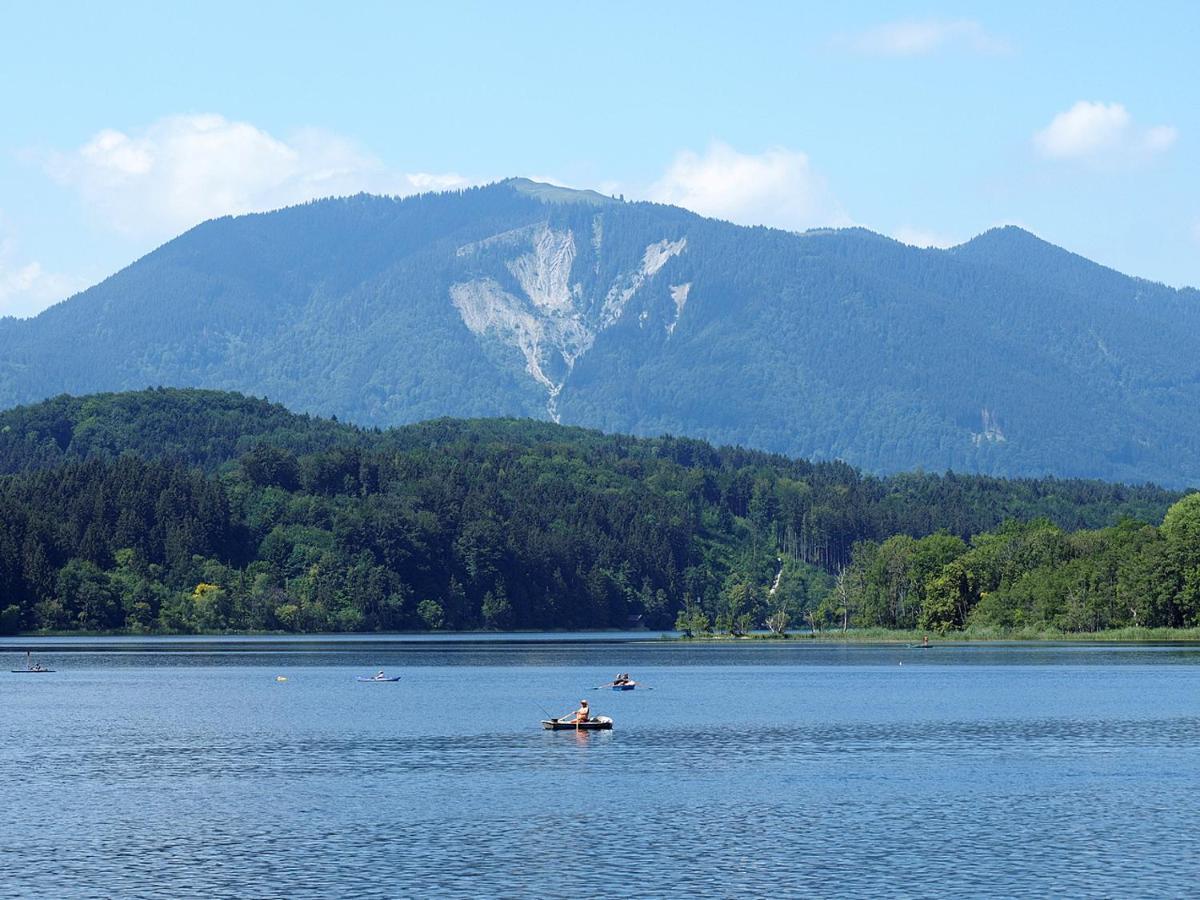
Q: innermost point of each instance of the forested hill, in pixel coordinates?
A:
(212, 429)
(199, 428)
(1005, 355)
(185, 509)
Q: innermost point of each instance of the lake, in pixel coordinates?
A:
(183, 768)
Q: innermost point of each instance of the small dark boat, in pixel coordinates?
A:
(31, 667)
(600, 723)
(625, 686)
(376, 679)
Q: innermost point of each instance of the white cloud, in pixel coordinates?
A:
(777, 188)
(1084, 129)
(26, 288)
(1101, 133)
(924, 37)
(920, 237)
(183, 169)
(1159, 138)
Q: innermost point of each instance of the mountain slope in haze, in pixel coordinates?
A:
(1005, 355)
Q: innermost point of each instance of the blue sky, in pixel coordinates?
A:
(127, 123)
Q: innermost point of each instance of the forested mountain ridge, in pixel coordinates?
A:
(1005, 355)
(213, 430)
(178, 510)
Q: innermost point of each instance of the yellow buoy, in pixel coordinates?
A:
(281, 678)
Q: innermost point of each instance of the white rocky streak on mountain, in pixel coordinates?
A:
(992, 433)
(545, 272)
(597, 240)
(554, 318)
(619, 294)
(487, 307)
(679, 293)
(656, 255)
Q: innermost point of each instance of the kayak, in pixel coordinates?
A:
(31, 671)
(600, 723)
(376, 679)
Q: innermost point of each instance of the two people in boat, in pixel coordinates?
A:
(621, 679)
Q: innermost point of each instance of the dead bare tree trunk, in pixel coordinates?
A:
(843, 595)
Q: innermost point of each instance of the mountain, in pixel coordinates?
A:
(1005, 355)
(179, 510)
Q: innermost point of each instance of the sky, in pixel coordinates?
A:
(124, 124)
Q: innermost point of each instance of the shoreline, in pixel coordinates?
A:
(435, 638)
(967, 636)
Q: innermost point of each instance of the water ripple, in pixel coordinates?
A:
(793, 781)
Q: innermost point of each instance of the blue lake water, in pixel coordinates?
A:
(183, 769)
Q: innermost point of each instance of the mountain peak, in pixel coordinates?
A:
(1008, 236)
(1017, 249)
(553, 193)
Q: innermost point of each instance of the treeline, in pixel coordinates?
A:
(1028, 574)
(171, 510)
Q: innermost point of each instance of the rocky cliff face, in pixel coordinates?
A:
(533, 292)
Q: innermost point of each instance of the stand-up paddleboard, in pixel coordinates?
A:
(31, 668)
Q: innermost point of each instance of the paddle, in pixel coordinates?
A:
(636, 684)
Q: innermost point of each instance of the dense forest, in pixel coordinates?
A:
(187, 510)
(1029, 574)
(1003, 356)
